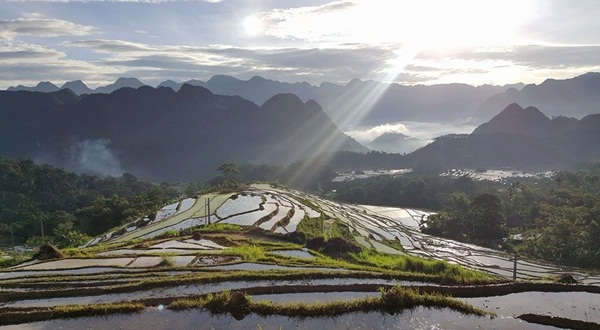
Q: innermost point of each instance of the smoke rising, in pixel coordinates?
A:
(94, 156)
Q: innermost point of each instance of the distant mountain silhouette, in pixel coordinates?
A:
(256, 89)
(358, 103)
(160, 134)
(370, 103)
(575, 97)
(363, 103)
(395, 142)
(518, 137)
(44, 87)
(120, 83)
(171, 84)
(516, 120)
(77, 86)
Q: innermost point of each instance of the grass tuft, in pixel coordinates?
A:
(418, 265)
(248, 252)
(167, 262)
(395, 299)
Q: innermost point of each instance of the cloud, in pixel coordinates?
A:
(422, 68)
(337, 63)
(409, 78)
(89, 1)
(367, 135)
(331, 7)
(424, 131)
(23, 63)
(9, 29)
(532, 56)
(314, 23)
(111, 46)
(26, 53)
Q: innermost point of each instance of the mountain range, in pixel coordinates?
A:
(575, 97)
(371, 103)
(160, 134)
(518, 137)
(356, 104)
(177, 132)
(365, 103)
(79, 87)
(396, 142)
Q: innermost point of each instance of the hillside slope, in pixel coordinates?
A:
(575, 97)
(160, 134)
(517, 137)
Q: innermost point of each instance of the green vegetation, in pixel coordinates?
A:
(169, 233)
(417, 265)
(339, 229)
(60, 312)
(416, 191)
(248, 252)
(311, 227)
(394, 299)
(481, 221)
(215, 228)
(166, 261)
(40, 200)
(557, 218)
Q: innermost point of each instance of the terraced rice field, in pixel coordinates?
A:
(281, 211)
(158, 271)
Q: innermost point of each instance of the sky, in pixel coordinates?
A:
(409, 42)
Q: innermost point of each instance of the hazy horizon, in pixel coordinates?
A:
(408, 42)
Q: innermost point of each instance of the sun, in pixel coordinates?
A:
(442, 24)
(253, 25)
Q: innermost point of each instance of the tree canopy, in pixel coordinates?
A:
(66, 205)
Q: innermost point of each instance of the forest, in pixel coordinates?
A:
(555, 219)
(41, 203)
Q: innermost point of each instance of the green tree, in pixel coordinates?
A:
(105, 213)
(452, 221)
(229, 170)
(486, 219)
(66, 236)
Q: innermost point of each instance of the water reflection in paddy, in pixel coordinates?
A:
(419, 318)
(194, 289)
(315, 296)
(581, 306)
(78, 271)
(294, 253)
(257, 266)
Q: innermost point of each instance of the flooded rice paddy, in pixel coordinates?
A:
(386, 229)
(294, 253)
(418, 318)
(374, 227)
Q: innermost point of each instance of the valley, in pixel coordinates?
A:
(308, 164)
(187, 258)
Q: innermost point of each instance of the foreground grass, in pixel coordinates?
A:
(62, 312)
(391, 300)
(216, 228)
(419, 265)
(248, 252)
(14, 259)
(186, 279)
(394, 299)
(366, 260)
